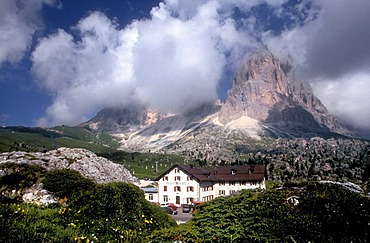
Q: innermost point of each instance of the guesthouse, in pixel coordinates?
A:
(185, 184)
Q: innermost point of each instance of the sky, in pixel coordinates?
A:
(61, 61)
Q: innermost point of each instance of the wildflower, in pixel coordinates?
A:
(72, 225)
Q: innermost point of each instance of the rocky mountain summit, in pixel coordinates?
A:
(87, 163)
(266, 90)
(265, 101)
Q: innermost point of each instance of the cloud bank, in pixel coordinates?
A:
(19, 21)
(165, 62)
(332, 52)
(176, 59)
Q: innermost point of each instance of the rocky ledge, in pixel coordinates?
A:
(86, 162)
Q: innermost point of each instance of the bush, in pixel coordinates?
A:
(115, 212)
(323, 213)
(20, 175)
(66, 182)
(119, 211)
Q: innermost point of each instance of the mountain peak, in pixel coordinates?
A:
(263, 90)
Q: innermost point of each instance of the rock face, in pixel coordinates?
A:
(87, 163)
(264, 90)
(266, 100)
(114, 120)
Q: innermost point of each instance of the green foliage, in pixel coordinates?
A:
(119, 209)
(61, 136)
(115, 212)
(65, 182)
(321, 213)
(18, 177)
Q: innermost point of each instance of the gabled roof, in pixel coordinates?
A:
(222, 173)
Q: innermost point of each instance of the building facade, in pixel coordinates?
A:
(151, 194)
(184, 184)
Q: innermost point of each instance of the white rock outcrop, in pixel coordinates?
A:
(99, 169)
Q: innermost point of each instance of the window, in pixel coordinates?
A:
(150, 197)
(177, 170)
(189, 178)
(177, 178)
(177, 188)
(222, 183)
(165, 178)
(243, 183)
(190, 189)
(232, 192)
(165, 198)
(221, 192)
(189, 200)
(165, 188)
(232, 183)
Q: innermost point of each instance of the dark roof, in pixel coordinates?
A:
(222, 173)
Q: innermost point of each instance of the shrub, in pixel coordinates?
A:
(115, 212)
(66, 182)
(119, 211)
(324, 213)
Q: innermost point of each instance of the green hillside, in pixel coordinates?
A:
(145, 165)
(38, 139)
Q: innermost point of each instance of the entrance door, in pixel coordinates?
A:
(177, 200)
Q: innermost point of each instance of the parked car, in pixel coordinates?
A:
(170, 210)
(186, 208)
(163, 205)
(171, 205)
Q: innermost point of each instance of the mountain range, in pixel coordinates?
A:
(266, 100)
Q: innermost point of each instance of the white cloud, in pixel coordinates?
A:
(88, 74)
(331, 51)
(165, 62)
(19, 20)
(348, 97)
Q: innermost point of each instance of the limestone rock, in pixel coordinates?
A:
(87, 163)
(264, 90)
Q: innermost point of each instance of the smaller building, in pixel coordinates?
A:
(185, 184)
(151, 194)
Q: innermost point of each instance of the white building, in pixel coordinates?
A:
(184, 184)
(151, 194)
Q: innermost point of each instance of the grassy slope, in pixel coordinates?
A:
(142, 165)
(63, 136)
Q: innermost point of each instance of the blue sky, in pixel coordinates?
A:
(61, 61)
